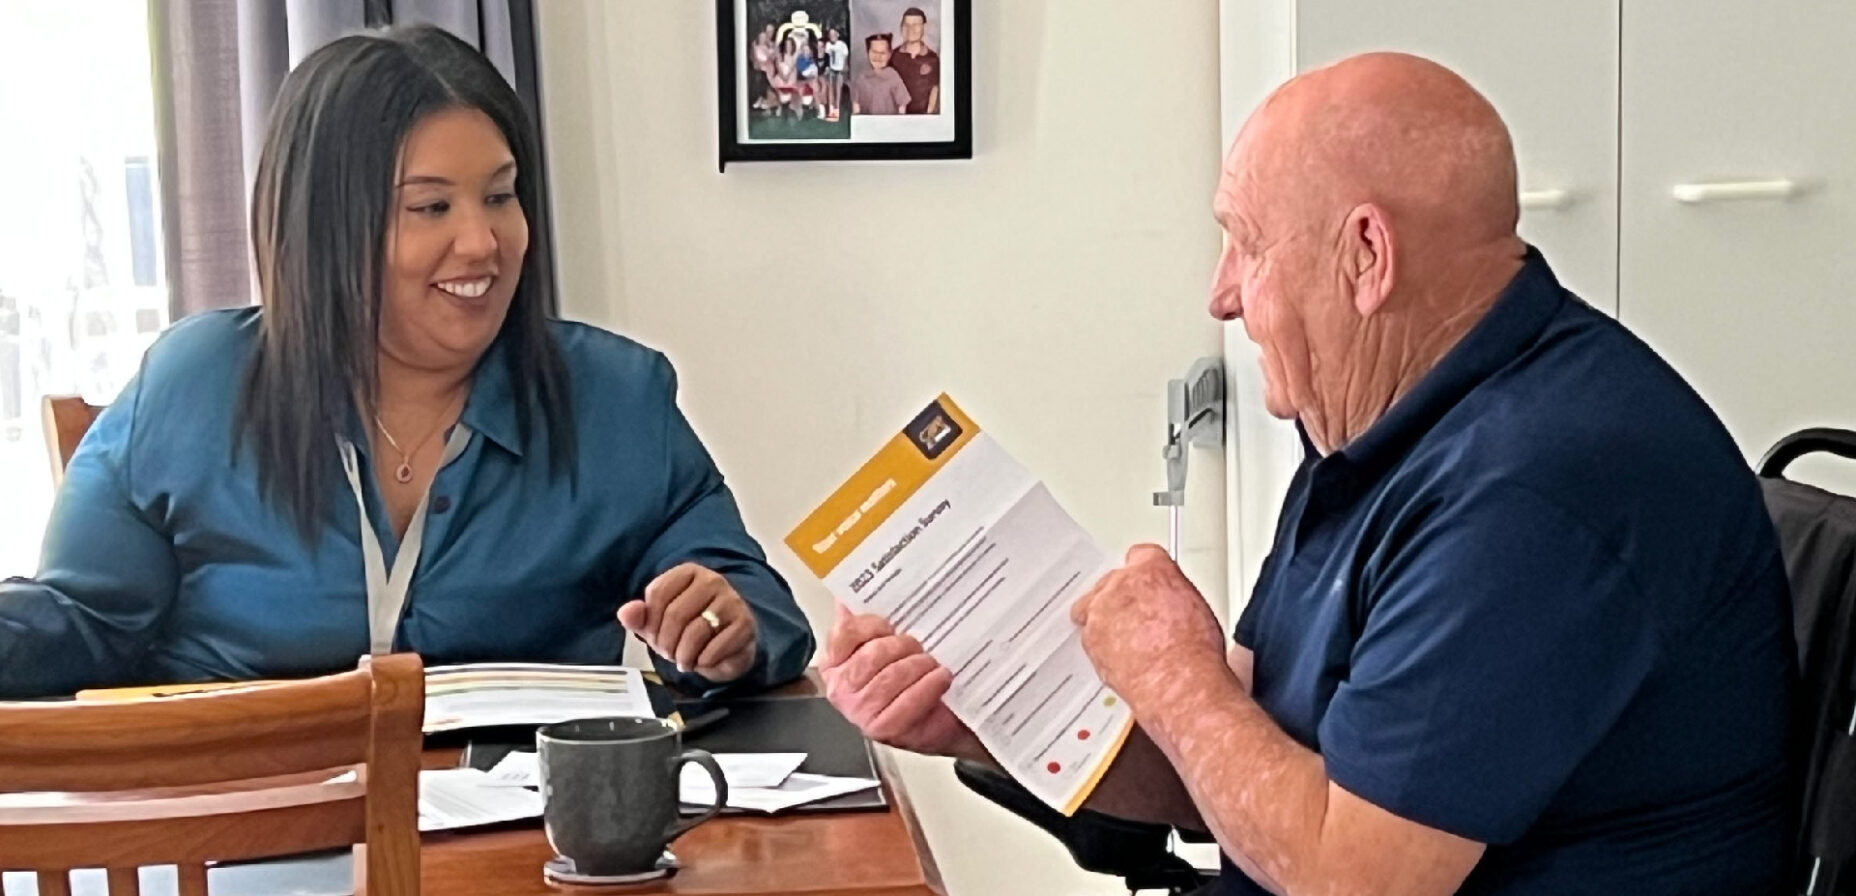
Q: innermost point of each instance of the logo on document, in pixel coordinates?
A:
(933, 431)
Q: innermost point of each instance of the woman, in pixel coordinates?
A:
(838, 56)
(806, 70)
(762, 74)
(399, 451)
(786, 77)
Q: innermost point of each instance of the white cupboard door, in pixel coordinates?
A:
(1738, 210)
(1551, 69)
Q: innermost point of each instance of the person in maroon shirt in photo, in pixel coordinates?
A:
(878, 91)
(918, 64)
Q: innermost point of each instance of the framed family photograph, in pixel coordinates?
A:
(817, 80)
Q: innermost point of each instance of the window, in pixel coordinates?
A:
(82, 286)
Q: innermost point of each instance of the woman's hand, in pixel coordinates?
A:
(693, 617)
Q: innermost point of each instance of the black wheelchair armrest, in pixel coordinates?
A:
(1135, 851)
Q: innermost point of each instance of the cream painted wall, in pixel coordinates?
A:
(1257, 53)
(1051, 285)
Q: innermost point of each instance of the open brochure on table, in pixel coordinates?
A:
(484, 695)
(951, 540)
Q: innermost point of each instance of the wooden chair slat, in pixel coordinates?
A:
(125, 882)
(256, 732)
(192, 880)
(54, 883)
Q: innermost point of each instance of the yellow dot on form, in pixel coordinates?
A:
(1109, 701)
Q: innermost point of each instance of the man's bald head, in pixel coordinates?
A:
(1371, 208)
(1391, 129)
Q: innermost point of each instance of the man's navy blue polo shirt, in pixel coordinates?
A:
(1540, 605)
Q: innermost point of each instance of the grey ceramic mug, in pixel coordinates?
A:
(610, 788)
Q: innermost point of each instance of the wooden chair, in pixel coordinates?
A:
(67, 418)
(219, 776)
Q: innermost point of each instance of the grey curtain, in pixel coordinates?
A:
(218, 64)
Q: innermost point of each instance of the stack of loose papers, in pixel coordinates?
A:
(757, 782)
(481, 695)
(951, 540)
(455, 798)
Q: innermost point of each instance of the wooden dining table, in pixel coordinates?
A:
(878, 852)
(856, 853)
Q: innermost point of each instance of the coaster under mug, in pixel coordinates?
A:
(560, 870)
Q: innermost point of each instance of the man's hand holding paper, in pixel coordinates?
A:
(891, 689)
(1136, 612)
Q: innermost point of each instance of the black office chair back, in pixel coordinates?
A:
(1817, 535)
(1136, 852)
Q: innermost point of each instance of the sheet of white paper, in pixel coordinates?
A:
(518, 769)
(523, 769)
(463, 797)
(799, 788)
(487, 694)
(747, 769)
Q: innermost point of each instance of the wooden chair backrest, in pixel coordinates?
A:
(67, 418)
(219, 776)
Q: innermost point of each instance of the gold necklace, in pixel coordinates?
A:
(403, 473)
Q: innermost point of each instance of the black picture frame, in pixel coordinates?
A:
(731, 74)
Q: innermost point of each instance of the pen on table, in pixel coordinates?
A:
(696, 724)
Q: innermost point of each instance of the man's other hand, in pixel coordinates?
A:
(891, 689)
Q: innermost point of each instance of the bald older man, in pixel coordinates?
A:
(1524, 629)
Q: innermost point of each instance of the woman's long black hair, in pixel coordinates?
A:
(320, 210)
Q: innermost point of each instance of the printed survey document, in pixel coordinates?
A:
(956, 544)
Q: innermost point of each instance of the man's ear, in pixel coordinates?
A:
(1370, 257)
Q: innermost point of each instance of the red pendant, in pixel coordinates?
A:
(403, 474)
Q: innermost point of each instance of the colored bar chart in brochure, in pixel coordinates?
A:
(956, 544)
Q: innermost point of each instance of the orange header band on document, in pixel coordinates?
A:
(880, 486)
